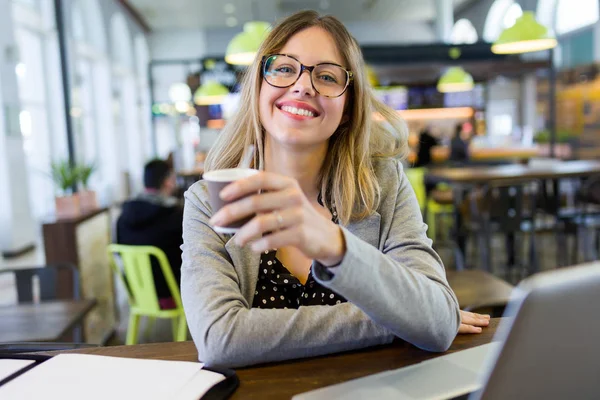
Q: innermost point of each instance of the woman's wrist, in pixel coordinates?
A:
(336, 249)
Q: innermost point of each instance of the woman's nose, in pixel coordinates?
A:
(304, 85)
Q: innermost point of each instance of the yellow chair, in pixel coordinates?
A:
(416, 177)
(133, 266)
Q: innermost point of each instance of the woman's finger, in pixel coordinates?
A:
(465, 328)
(265, 181)
(276, 240)
(470, 318)
(257, 203)
(268, 222)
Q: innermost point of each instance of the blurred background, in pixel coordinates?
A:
(104, 86)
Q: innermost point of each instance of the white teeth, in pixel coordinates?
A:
(298, 111)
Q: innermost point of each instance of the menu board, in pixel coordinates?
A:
(474, 98)
(425, 97)
(395, 97)
(419, 97)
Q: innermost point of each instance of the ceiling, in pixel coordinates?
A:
(208, 14)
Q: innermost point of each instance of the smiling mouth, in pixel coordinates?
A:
(298, 111)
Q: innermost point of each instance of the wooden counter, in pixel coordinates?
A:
(82, 241)
(440, 154)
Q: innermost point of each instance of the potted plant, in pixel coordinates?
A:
(65, 177)
(87, 198)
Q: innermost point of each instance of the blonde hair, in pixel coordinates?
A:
(347, 178)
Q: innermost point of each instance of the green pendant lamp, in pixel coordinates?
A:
(455, 79)
(242, 49)
(210, 92)
(526, 35)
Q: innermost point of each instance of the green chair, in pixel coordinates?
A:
(416, 177)
(133, 266)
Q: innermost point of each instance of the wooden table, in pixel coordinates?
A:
(464, 177)
(285, 379)
(43, 322)
(512, 172)
(477, 289)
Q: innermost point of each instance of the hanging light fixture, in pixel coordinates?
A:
(242, 49)
(526, 35)
(455, 79)
(210, 92)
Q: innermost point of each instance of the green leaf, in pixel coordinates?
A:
(64, 175)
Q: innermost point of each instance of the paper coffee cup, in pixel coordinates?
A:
(216, 181)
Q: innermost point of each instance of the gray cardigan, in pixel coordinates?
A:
(394, 282)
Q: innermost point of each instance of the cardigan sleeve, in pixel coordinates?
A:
(403, 286)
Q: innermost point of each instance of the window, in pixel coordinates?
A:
(463, 32)
(33, 120)
(575, 14)
(502, 15)
(545, 13)
(34, 4)
(511, 15)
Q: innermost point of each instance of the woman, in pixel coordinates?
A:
(352, 266)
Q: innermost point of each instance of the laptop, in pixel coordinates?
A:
(547, 347)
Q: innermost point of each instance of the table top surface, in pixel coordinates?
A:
(42, 322)
(285, 379)
(474, 288)
(477, 174)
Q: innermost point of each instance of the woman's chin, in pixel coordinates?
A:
(294, 137)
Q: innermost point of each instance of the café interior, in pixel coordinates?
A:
(501, 105)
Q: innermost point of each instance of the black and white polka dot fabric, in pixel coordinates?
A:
(278, 288)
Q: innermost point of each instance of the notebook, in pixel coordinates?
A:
(94, 377)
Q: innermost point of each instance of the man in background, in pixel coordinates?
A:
(154, 218)
(459, 145)
(426, 143)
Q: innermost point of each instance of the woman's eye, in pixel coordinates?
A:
(284, 70)
(328, 78)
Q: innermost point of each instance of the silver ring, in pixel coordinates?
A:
(279, 220)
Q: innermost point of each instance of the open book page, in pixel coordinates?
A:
(90, 377)
(9, 367)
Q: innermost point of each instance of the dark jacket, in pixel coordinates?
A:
(426, 143)
(152, 220)
(459, 149)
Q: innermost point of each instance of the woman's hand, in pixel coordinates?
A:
(283, 211)
(472, 322)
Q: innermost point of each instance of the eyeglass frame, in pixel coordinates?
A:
(349, 74)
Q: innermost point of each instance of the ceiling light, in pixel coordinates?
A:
(229, 8)
(526, 35)
(210, 92)
(242, 49)
(455, 79)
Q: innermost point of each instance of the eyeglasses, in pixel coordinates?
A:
(328, 79)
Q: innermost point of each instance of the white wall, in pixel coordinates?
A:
(389, 33)
(183, 44)
(366, 32)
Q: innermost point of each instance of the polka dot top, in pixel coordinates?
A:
(278, 288)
